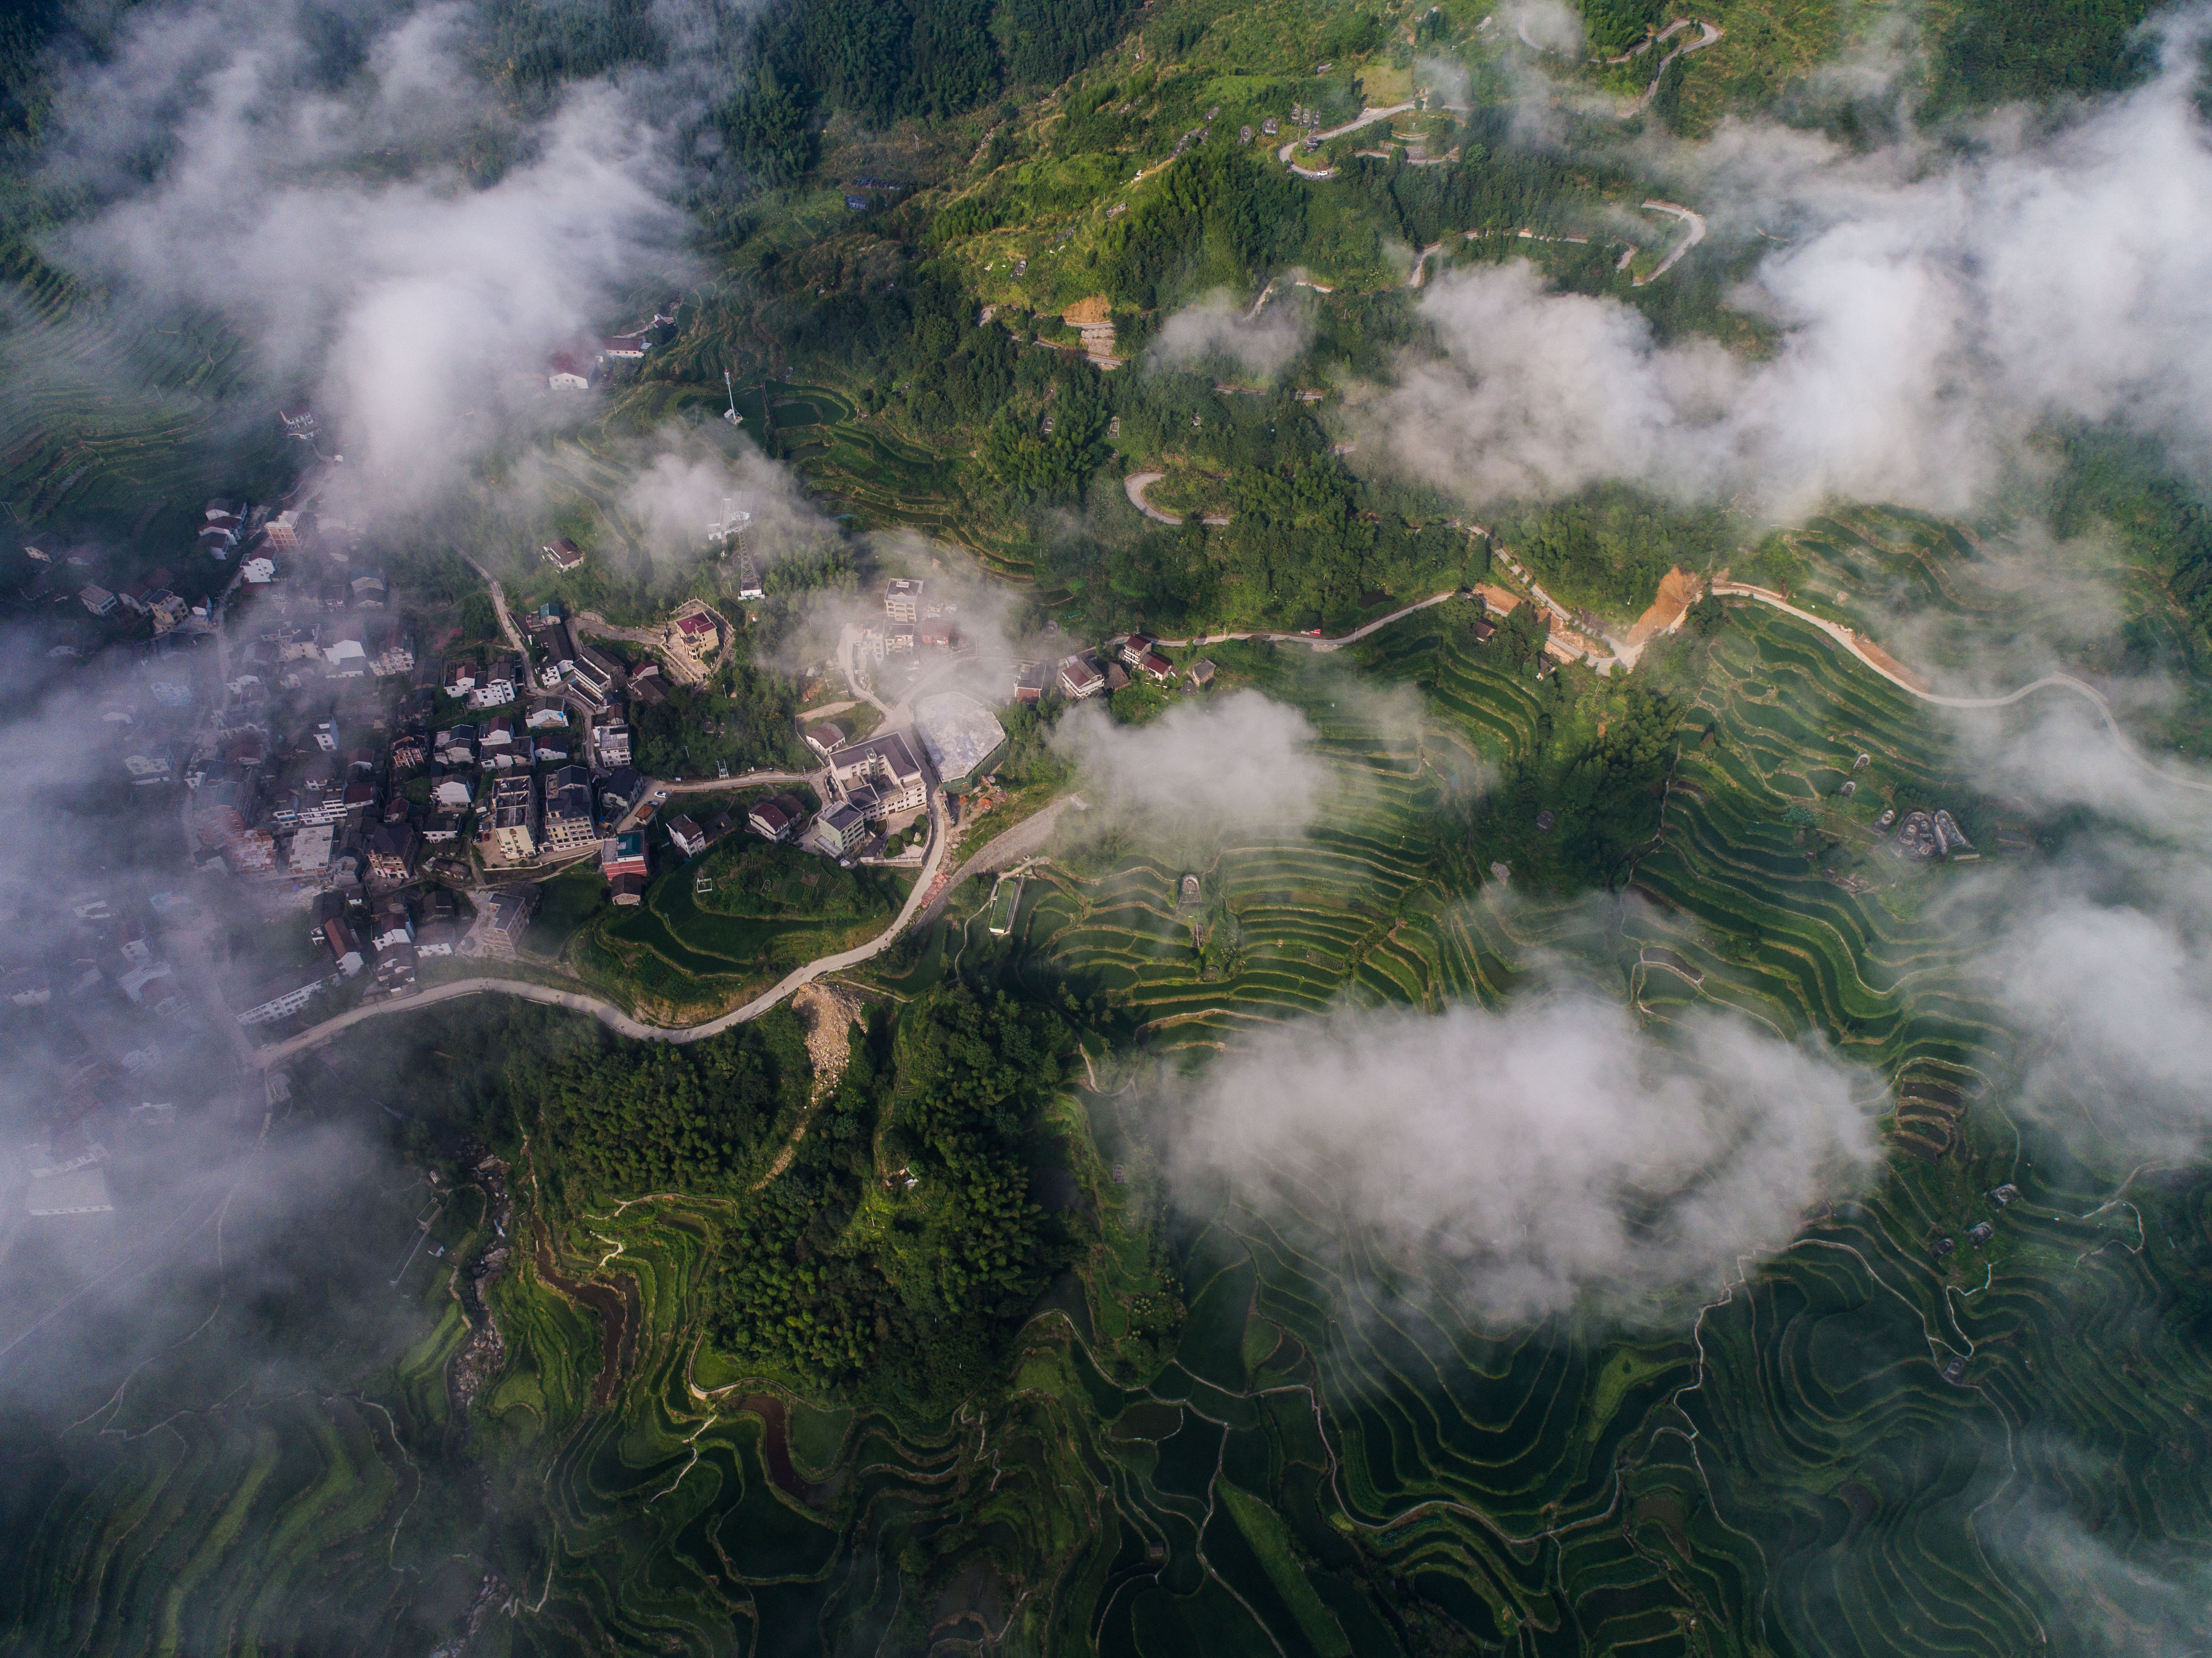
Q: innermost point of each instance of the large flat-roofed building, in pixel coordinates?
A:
(287, 994)
(902, 601)
(79, 1191)
(959, 734)
(884, 763)
(502, 922)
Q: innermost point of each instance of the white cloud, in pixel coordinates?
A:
(1934, 307)
(1202, 769)
(1551, 1157)
(345, 232)
(1217, 326)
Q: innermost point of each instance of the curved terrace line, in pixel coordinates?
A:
(928, 888)
(1851, 642)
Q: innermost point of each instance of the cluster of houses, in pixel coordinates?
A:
(911, 620)
(1932, 835)
(386, 938)
(580, 366)
(1111, 666)
(104, 1018)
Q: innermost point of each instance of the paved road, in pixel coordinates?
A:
(1708, 33)
(1697, 223)
(1134, 486)
(1338, 643)
(1851, 642)
(1367, 118)
(499, 604)
(848, 641)
(1018, 842)
(744, 779)
(605, 1011)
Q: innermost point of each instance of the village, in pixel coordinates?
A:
(392, 812)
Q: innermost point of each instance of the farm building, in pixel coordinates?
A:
(562, 553)
(1080, 678)
(777, 818)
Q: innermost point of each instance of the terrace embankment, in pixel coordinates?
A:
(618, 1313)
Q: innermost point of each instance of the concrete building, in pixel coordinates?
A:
(570, 823)
(393, 849)
(625, 855)
(885, 764)
(501, 923)
(902, 601)
(513, 817)
(286, 996)
(838, 831)
(346, 949)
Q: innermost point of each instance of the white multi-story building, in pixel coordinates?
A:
(902, 601)
(884, 765)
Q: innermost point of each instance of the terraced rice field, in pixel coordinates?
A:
(680, 951)
(1792, 1468)
(1862, 1447)
(102, 418)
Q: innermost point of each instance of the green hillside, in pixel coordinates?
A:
(897, 1321)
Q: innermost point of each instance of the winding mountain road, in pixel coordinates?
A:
(1134, 486)
(1314, 641)
(1023, 839)
(1708, 33)
(1365, 118)
(1851, 642)
(1689, 216)
(612, 1016)
(499, 604)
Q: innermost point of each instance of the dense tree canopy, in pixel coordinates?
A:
(631, 1118)
(903, 1241)
(1611, 545)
